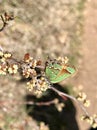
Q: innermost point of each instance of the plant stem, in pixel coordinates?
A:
(70, 97)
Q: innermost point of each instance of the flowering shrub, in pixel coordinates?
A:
(42, 76)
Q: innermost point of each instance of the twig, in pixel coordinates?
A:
(15, 102)
(5, 19)
(4, 23)
(70, 97)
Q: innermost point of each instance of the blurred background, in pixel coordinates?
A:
(49, 28)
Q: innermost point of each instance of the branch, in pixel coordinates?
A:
(5, 19)
(4, 23)
(63, 95)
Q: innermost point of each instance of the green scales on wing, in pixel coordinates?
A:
(56, 72)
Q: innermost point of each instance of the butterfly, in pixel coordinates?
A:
(56, 72)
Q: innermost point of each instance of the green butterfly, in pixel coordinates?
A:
(56, 72)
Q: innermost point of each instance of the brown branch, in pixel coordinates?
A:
(15, 102)
(5, 18)
(4, 23)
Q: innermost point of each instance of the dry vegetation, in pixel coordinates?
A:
(42, 28)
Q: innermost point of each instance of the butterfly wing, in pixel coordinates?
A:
(57, 73)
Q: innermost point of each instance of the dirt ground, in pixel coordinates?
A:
(87, 75)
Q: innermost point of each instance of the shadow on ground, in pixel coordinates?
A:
(64, 120)
(93, 129)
